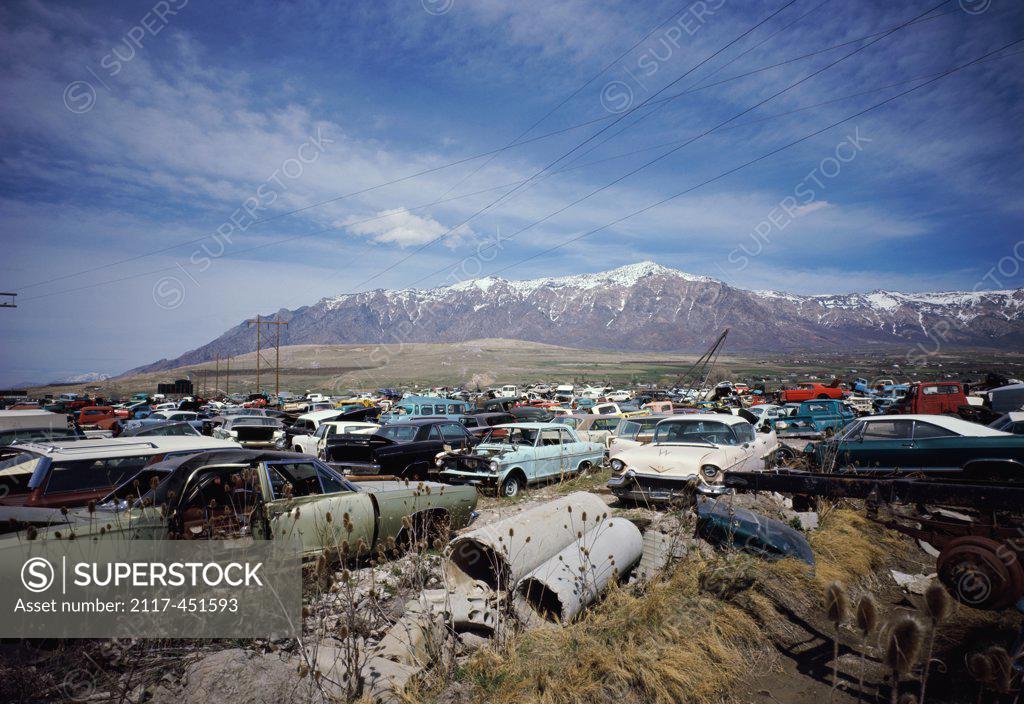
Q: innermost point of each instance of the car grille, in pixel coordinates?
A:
(468, 464)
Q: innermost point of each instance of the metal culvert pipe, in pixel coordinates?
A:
(567, 583)
(500, 554)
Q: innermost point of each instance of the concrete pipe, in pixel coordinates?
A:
(570, 581)
(500, 554)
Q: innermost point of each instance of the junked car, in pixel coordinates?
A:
(513, 456)
(927, 444)
(271, 496)
(688, 453)
(405, 450)
(815, 419)
(252, 431)
(592, 427)
(633, 432)
(72, 473)
(316, 443)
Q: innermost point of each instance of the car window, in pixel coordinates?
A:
(923, 431)
(470, 422)
(453, 431)
(321, 431)
(605, 424)
(294, 479)
(80, 475)
(331, 482)
(930, 390)
(398, 433)
(454, 409)
(550, 437)
(566, 436)
(434, 433)
(744, 432)
(888, 430)
(817, 407)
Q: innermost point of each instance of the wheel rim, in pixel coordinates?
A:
(511, 488)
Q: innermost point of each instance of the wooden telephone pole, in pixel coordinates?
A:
(259, 323)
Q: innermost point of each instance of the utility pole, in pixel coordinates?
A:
(227, 377)
(259, 323)
(216, 377)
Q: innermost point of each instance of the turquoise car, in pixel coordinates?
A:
(815, 419)
(412, 407)
(515, 455)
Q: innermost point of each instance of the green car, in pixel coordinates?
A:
(928, 444)
(233, 494)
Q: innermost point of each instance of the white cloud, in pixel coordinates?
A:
(404, 229)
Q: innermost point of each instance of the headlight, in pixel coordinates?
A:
(618, 465)
(233, 433)
(439, 462)
(709, 471)
(493, 466)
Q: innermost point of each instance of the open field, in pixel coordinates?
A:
(339, 368)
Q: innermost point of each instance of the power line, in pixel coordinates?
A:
(508, 185)
(564, 130)
(618, 119)
(753, 161)
(700, 136)
(634, 152)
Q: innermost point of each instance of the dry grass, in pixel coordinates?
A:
(689, 637)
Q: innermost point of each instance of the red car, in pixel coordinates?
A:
(102, 417)
(933, 398)
(811, 390)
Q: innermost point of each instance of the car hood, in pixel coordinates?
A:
(669, 459)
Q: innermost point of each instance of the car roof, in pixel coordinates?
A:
(116, 447)
(533, 426)
(727, 418)
(957, 425)
(317, 415)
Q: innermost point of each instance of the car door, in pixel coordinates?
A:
(884, 445)
(937, 449)
(306, 504)
(753, 446)
(574, 450)
(548, 453)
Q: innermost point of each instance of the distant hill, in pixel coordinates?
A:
(643, 306)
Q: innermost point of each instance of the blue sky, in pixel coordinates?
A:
(128, 129)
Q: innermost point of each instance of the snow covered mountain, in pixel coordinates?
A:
(643, 306)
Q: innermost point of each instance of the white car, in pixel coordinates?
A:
(314, 444)
(620, 395)
(690, 452)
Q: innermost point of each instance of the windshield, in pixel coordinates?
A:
(398, 433)
(1003, 422)
(172, 429)
(694, 431)
(511, 436)
(253, 421)
(567, 420)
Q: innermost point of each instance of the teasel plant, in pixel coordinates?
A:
(837, 606)
(867, 623)
(980, 667)
(937, 606)
(902, 649)
(1002, 670)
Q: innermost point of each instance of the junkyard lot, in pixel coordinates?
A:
(357, 366)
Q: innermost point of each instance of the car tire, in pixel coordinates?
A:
(510, 486)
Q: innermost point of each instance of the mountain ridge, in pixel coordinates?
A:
(640, 306)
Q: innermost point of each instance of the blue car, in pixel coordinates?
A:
(513, 456)
(413, 407)
(815, 419)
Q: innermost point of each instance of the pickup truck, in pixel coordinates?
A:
(812, 390)
(815, 419)
(932, 398)
(238, 494)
